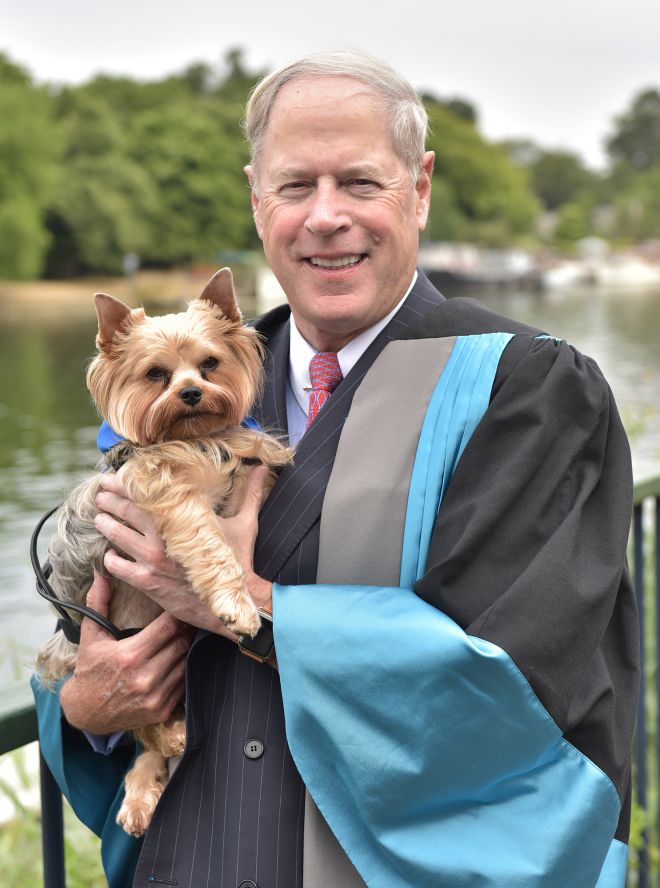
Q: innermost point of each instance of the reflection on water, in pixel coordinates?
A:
(621, 330)
(49, 424)
(48, 436)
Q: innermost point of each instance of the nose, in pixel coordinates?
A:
(327, 211)
(191, 395)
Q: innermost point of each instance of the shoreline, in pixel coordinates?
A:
(148, 288)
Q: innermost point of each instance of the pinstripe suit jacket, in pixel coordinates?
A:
(225, 818)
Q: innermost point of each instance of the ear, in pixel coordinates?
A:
(423, 189)
(112, 315)
(249, 172)
(220, 291)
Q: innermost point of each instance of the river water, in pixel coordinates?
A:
(49, 425)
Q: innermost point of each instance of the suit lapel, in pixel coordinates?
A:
(271, 412)
(295, 502)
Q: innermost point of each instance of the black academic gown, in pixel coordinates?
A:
(528, 552)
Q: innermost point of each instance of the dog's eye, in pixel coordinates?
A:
(158, 373)
(208, 364)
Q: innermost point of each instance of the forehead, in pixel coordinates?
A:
(185, 334)
(305, 93)
(320, 114)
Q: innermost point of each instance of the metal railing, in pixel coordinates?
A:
(18, 723)
(645, 542)
(18, 727)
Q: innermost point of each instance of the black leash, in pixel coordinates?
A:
(70, 628)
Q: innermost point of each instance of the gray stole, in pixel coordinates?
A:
(363, 520)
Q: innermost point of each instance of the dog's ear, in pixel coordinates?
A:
(220, 291)
(112, 315)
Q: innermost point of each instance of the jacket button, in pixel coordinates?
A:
(248, 883)
(253, 749)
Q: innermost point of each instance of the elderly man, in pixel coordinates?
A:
(454, 627)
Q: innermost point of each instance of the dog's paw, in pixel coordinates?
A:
(233, 605)
(243, 619)
(174, 740)
(134, 816)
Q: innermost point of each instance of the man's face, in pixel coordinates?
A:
(336, 210)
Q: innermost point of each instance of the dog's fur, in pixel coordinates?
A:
(181, 463)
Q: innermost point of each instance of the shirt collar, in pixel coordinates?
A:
(301, 352)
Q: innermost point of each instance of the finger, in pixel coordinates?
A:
(162, 633)
(255, 489)
(130, 541)
(126, 510)
(127, 570)
(169, 665)
(110, 481)
(98, 599)
(99, 594)
(173, 697)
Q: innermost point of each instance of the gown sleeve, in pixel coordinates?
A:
(476, 729)
(91, 782)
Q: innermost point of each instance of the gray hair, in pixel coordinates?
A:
(407, 115)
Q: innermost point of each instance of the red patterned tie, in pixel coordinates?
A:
(325, 375)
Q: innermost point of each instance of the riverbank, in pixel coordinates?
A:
(149, 288)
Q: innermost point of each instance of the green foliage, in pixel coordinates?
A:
(638, 206)
(488, 197)
(561, 183)
(572, 225)
(633, 184)
(103, 205)
(457, 106)
(29, 153)
(559, 177)
(196, 168)
(152, 168)
(115, 166)
(636, 138)
(445, 222)
(20, 841)
(12, 73)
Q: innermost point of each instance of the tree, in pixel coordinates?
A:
(559, 177)
(29, 152)
(104, 204)
(572, 225)
(489, 197)
(638, 206)
(636, 139)
(457, 106)
(196, 166)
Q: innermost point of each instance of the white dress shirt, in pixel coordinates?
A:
(301, 353)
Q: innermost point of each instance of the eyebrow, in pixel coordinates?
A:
(354, 169)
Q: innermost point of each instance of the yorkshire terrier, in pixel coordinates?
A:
(176, 388)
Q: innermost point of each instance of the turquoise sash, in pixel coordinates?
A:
(425, 749)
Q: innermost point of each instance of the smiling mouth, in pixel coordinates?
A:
(348, 261)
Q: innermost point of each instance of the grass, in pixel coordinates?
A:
(20, 840)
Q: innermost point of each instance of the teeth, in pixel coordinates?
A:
(334, 263)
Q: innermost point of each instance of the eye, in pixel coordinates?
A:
(296, 188)
(208, 364)
(158, 373)
(363, 184)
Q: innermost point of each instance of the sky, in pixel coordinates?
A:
(557, 72)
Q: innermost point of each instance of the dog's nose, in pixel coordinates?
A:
(191, 395)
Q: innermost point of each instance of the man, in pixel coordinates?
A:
(454, 627)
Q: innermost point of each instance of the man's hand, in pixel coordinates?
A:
(241, 530)
(154, 573)
(120, 685)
